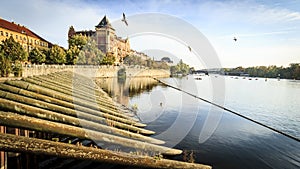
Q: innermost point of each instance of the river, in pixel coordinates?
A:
(211, 135)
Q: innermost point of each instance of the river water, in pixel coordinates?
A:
(211, 135)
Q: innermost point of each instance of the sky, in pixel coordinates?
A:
(267, 31)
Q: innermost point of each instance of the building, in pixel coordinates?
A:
(106, 39)
(167, 60)
(27, 38)
(142, 55)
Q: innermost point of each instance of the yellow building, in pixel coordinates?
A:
(27, 38)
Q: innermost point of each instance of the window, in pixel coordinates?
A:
(24, 38)
(11, 34)
(1, 33)
(16, 37)
(6, 34)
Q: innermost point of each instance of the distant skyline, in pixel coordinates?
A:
(267, 32)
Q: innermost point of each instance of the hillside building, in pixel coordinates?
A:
(106, 40)
(27, 38)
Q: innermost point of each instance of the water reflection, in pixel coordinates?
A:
(236, 143)
(121, 89)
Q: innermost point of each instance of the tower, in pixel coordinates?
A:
(105, 36)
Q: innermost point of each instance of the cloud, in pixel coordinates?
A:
(218, 19)
(257, 34)
(246, 11)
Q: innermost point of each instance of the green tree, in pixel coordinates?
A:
(11, 56)
(108, 59)
(13, 50)
(291, 72)
(132, 60)
(295, 70)
(72, 55)
(57, 55)
(36, 56)
(78, 40)
(180, 68)
(5, 64)
(173, 70)
(90, 54)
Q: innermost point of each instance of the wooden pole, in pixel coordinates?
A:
(108, 114)
(53, 116)
(44, 147)
(16, 120)
(73, 107)
(84, 93)
(64, 97)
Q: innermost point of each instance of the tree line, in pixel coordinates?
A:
(82, 50)
(132, 60)
(290, 72)
(180, 69)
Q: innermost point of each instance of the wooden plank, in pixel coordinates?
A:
(16, 120)
(44, 147)
(54, 116)
(70, 99)
(69, 105)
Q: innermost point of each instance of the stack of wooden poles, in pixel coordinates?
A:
(72, 105)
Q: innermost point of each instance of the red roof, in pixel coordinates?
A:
(18, 28)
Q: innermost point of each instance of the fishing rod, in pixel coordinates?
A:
(231, 111)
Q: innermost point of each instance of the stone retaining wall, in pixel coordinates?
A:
(94, 71)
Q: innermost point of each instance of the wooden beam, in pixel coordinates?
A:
(62, 118)
(70, 99)
(14, 143)
(48, 99)
(16, 120)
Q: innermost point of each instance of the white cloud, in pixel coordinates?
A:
(246, 11)
(238, 54)
(239, 35)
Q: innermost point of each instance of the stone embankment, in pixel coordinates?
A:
(95, 71)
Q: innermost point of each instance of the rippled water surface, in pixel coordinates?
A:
(214, 136)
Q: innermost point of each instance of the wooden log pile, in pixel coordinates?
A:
(72, 105)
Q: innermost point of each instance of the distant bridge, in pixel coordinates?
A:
(200, 71)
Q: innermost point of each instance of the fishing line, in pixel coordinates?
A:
(231, 111)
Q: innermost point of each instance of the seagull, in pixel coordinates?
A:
(124, 19)
(190, 49)
(235, 39)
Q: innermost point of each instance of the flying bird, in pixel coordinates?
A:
(190, 49)
(124, 19)
(235, 39)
